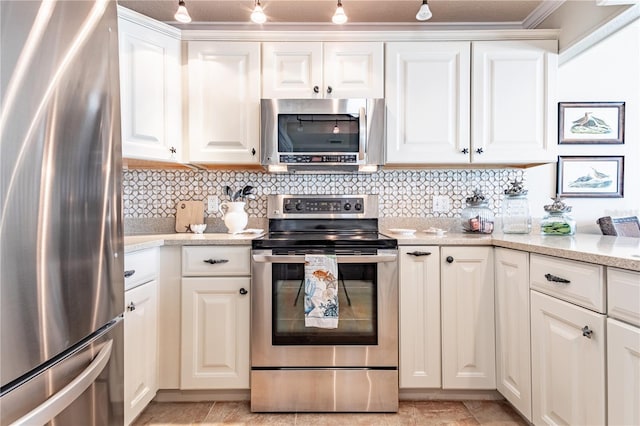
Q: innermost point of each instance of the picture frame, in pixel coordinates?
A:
(591, 123)
(590, 176)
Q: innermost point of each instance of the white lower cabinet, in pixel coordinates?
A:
(215, 318)
(420, 317)
(513, 344)
(468, 329)
(623, 372)
(141, 348)
(568, 363)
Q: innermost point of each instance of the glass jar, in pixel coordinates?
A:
(477, 217)
(557, 223)
(515, 215)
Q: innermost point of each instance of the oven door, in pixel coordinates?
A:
(367, 333)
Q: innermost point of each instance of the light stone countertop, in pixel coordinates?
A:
(621, 252)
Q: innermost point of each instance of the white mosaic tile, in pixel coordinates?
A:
(403, 193)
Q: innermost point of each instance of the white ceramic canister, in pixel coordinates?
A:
(235, 218)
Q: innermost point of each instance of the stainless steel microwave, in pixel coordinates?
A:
(322, 135)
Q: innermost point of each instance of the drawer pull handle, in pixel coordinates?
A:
(129, 273)
(243, 291)
(131, 307)
(586, 332)
(555, 279)
(216, 261)
(419, 253)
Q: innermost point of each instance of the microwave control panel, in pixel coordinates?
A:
(320, 158)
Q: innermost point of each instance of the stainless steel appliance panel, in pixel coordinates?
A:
(265, 354)
(346, 390)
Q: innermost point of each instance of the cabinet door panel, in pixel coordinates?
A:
(623, 371)
(291, 70)
(353, 70)
(215, 333)
(568, 369)
(420, 317)
(468, 333)
(224, 102)
(427, 93)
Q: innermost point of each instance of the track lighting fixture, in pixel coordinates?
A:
(339, 17)
(182, 14)
(424, 13)
(258, 15)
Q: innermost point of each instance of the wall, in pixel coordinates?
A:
(608, 71)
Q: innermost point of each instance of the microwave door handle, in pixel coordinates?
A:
(378, 258)
(363, 134)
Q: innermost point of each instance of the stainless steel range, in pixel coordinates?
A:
(353, 367)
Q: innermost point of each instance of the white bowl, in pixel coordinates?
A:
(198, 228)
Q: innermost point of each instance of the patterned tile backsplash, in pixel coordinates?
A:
(403, 193)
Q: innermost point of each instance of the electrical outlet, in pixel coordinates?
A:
(441, 204)
(212, 204)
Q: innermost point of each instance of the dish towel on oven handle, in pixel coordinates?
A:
(321, 291)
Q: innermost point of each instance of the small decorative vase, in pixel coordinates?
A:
(235, 218)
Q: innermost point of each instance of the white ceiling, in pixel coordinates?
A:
(497, 13)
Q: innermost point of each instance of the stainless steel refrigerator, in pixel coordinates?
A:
(61, 288)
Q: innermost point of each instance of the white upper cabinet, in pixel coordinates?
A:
(150, 88)
(427, 95)
(322, 70)
(224, 102)
(514, 101)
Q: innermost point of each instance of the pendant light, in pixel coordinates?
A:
(336, 129)
(258, 15)
(339, 17)
(424, 13)
(182, 14)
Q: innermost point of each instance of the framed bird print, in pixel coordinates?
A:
(590, 177)
(591, 123)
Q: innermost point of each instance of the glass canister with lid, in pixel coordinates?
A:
(557, 220)
(477, 217)
(515, 210)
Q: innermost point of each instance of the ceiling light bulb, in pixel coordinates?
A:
(182, 15)
(258, 15)
(424, 14)
(339, 17)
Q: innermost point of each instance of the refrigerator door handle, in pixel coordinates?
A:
(65, 397)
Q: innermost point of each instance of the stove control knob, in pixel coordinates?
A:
(347, 206)
(287, 207)
(299, 206)
(358, 207)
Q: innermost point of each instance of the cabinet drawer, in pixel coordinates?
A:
(576, 282)
(140, 267)
(623, 295)
(215, 260)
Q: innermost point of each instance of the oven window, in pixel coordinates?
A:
(357, 307)
(318, 133)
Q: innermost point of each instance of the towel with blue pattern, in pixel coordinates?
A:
(321, 291)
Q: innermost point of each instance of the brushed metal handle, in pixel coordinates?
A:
(316, 89)
(129, 273)
(243, 291)
(449, 259)
(587, 332)
(419, 253)
(556, 279)
(479, 150)
(131, 307)
(215, 261)
(329, 89)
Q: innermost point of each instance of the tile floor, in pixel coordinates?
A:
(410, 413)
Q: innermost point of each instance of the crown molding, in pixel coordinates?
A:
(541, 13)
(152, 24)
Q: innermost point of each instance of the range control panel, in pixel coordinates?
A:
(323, 205)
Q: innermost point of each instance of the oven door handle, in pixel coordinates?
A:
(377, 258)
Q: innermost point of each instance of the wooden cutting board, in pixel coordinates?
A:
(187, 213)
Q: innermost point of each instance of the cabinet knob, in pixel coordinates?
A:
(316, 89)
(129, 273)
(243, 291)
(131, 307)
(215, 261)
(587, 332)
(449, 259)
(329, 89)
(253, 151)
(419, 253)
(479, 150)
(464, 150)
